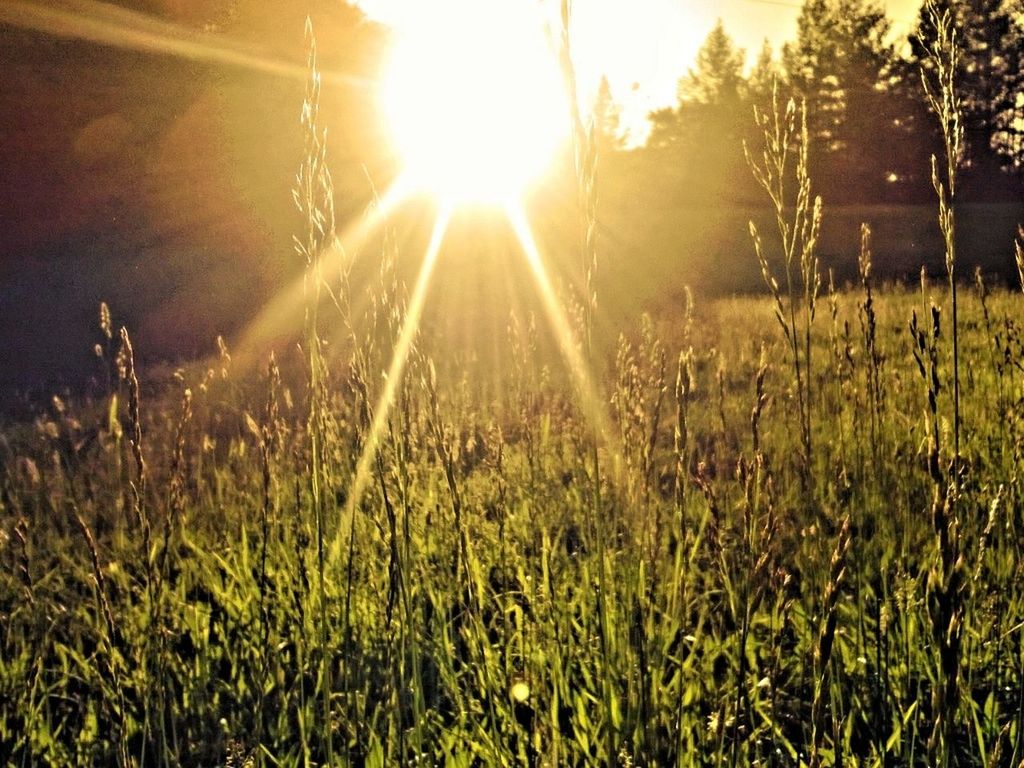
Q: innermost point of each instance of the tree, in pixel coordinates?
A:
(607, 116)
(717, 79)
(843, 68)
(991, 82)
(764, 77)
(703, 134)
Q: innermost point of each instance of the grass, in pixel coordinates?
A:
(745, 619)
(800, 545)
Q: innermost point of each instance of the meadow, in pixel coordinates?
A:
(722, 595)
(782, 529)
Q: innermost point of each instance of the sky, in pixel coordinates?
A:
(645, 46)
(171, 168)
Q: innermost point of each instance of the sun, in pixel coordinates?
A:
(474, 100)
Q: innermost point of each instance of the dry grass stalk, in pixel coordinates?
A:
(826, 640)
(638, 399)
(705, 482)
(99, 580)
(313, 195)
(984, 294)
(947, 580)
(926, 355)
(135, 489)
(585, 157)
(760, 402)
(179, 463)
(786, 144)
(869, 334)
(1019, 256)
(939, 74)
(24, 563)
(126, 368)
(681, 436)
(269, 443)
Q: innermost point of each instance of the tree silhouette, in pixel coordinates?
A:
(764, 77)
(842, 66)
(871, 133)
(991, 84)
(717, 77)
(703, 134)
(607, 116)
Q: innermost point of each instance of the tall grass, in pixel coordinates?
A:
(313, 197)
(1019, 247)
(940, 86)
(463, 622)
(786, 144)
(947, 582)
(793, 555)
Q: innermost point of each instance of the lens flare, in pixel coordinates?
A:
(396, 370)
(591, 401)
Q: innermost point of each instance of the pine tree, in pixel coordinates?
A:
(991, 82)
(701, 138)
(713, 112)
(607, 116)
(717, 78)
(764, 77)
(843, 68)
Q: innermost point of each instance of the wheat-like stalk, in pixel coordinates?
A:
(23, 566)
(126, 367)
(785, 152)
(760, 402)
(946, 580)
(944, 56)
(1019, 256)
(313, 195)
(869, 335)
(826, 640)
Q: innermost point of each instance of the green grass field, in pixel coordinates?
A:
(714, 597)
(774, 530)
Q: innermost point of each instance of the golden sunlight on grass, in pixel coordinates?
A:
(399, 360)
(475, 476)
(474, 100)
(478, 109)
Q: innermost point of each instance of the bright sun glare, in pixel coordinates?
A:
(475, 100)
(477, 109)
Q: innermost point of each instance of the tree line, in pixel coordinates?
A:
(872, 134)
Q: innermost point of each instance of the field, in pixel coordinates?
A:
(177, 590)
(483, 517)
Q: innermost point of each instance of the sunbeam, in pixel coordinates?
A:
(272, 319)
(399, 358)
(591, 401)
(106, 24)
